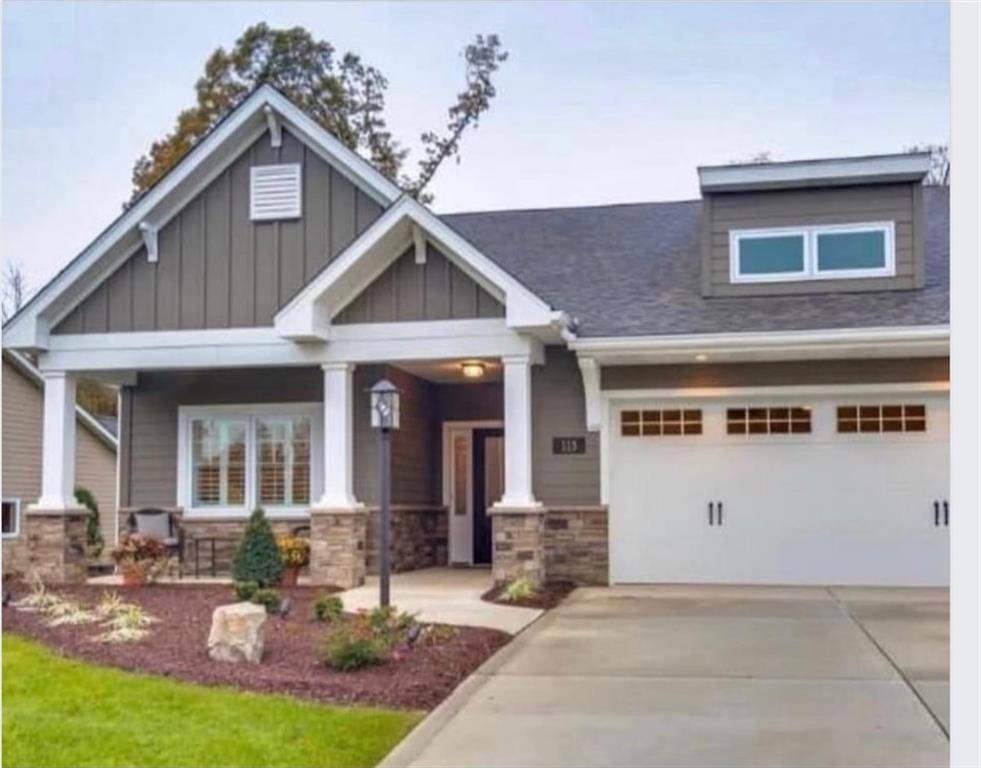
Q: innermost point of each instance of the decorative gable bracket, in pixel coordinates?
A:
(149, 233)
(275, 127)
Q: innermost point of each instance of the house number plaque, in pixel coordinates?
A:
(568, 446)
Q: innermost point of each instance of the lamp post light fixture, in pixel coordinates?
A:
(385, 418)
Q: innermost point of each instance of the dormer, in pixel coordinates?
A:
(813, 226)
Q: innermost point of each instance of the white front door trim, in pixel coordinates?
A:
(460, 529)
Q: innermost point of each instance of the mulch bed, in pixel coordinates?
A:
(177, 647)
(547, 597)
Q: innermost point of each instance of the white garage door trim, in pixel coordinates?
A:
(714, 399)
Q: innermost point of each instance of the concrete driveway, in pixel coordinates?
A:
(707, 676)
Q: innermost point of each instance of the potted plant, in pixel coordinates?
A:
(140, 558)
(294, 551)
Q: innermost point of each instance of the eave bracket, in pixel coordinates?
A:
(149, 233)
(275, 127)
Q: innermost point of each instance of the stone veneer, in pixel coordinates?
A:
(577, 545)
(419, 538)
(338, 550)
(56, 544)
(518, 545)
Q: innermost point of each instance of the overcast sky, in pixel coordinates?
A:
(598, 103)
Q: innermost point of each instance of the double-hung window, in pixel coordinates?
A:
(232, 459)
(812, 253)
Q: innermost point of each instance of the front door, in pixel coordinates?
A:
(488, 487)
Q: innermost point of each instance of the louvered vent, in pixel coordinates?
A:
(275, 192)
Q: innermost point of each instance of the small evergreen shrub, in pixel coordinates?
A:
(353, 645)
(245, 589)
(257, 558)
(93, 531)
(328, 608)
(268, 598)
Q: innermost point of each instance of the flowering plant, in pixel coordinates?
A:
(142, 558)
(294, 551)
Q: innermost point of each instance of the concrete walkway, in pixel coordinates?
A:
(707, 676)
(444, 596)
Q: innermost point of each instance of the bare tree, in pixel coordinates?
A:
(14, 288)
(939, 173)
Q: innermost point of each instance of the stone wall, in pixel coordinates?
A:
(419, 538)
(518, 545)
(338, 549)
(577, 545)
(56, 545)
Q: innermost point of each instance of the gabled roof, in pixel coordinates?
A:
(634, 270)
(30, 326)
(308, 314)
(102, 427)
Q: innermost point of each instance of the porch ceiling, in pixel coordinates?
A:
(451, 371)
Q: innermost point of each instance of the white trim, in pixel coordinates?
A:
(249, 413)
(449, 427)
(241, 347)
(591, 382)
(17, 505)
(30, 328)
(825, 172)
(843, 343)
(307, 316)
(809, 236)
(817, 390)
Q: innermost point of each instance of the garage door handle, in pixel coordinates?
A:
(946, 513)
(720, 513)
(936, 513)
(711, 513)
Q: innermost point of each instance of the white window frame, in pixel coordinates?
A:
(810, 236)
(250, 413)
(16, 532)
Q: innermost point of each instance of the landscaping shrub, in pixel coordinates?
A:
(93, 531)
(328, 608)
(353, 645)
(245, 589)
(519, 589)
(257, 558)
(294, 551)
(144, 556)
(268, 598)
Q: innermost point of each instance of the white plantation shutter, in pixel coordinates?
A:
(276, 192)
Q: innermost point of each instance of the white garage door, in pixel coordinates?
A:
(781, 490)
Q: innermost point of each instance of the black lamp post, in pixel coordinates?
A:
(385, 418)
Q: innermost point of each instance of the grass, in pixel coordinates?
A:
(58, 712)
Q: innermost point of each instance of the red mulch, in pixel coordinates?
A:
(547, 597)
(177, 647)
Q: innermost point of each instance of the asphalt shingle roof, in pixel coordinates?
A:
(634, 270)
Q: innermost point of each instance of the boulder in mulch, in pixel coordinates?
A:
(236, 633)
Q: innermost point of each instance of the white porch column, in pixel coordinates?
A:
(338, 437)
(518, 493)
(58, 444)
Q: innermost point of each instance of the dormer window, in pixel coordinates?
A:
(812, 253)
(275, 192)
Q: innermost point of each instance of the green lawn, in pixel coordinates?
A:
(66, 713)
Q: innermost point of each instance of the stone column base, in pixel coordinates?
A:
(338, 551)
(56, 544)
(519, 544)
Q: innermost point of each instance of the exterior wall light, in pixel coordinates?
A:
(472, 370)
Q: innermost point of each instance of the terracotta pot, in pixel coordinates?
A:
(133, 577)
(290, 575)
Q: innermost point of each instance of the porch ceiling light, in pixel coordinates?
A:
(384, 406)
(472, 370)
(701, 357)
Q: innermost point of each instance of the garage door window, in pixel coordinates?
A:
(776, 420)
(881, 418)
(662, 422)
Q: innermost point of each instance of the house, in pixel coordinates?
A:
(94, 452)
(749, 387)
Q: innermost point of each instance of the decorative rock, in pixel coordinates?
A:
(236, 633)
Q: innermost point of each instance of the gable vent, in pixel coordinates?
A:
(275, 192)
